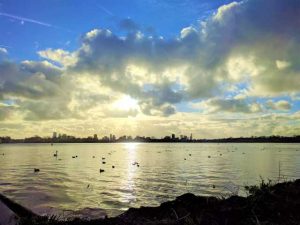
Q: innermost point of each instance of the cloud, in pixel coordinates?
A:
(60, 56)
(3, 51)
(234, 31)
(230, 106)
(6, 111)
(33, 80)
(118, 113)
(281, 65)
(229, 47)
(245, 51)
(150, 109)
(279, 105)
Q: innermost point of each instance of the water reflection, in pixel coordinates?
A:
(135, 174)
(131, 147)
(128, 184)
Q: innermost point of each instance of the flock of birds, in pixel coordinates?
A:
(36, 170)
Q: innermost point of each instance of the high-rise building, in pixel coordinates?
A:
(95, 137)
(54, 136)
(173, 136)
(191, 137)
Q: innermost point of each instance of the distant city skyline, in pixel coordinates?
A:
(112, 137)
(215, 69)
(172, 138)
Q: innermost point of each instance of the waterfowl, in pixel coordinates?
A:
(101, 170)
(55, 154)
(36, 170)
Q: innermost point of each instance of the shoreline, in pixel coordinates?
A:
(139, 139)
(156, 142)
(266, 204)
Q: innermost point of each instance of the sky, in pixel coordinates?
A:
(213, 68)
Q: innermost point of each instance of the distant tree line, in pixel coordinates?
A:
(261, 139)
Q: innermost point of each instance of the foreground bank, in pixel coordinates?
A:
(266, 204)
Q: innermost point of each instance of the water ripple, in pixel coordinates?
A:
(164, 172)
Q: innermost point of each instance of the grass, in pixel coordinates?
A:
(263, 187)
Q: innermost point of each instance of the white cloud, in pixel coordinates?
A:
(3, 51)
(282, 64)
(238, 55)
(60, 56)
(279, 105)
(225, 11)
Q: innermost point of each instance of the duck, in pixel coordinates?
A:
(36, 170)
(55, 154)
(102, 170)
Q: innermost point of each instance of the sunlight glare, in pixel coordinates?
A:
(126, 103)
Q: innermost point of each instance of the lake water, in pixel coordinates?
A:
(165, 171)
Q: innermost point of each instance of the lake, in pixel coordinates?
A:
(144, 174)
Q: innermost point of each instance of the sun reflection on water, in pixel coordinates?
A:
(129, 184)
(131, 146)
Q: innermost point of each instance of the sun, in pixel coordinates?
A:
(126, 103)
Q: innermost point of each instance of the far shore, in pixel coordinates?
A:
(138, 139)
